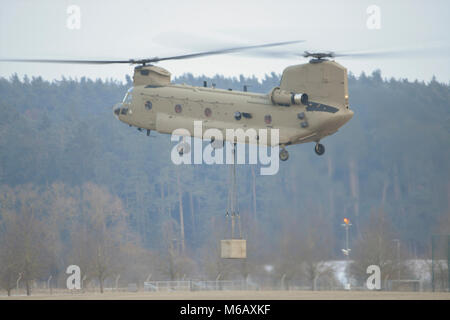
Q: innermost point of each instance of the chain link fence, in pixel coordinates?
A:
(199, 285)
(440, 261)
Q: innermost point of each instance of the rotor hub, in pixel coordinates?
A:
(318, 57)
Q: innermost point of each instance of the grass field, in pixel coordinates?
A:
(240, 295)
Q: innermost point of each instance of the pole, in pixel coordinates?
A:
(432, 263)
(348, 255)
(49, 284)
(82, 282)
(283, 286)
(17, 282)
(117, 282)
(346, 238)
(448, 263)
(217, 281)
(398, 257)
(346, 251)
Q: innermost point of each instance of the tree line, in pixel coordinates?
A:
(79, 187)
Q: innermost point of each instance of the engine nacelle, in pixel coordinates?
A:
(285, 98)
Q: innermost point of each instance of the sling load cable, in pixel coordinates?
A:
(229, 200)
(232, 199)
(236, 204)
(232, 190)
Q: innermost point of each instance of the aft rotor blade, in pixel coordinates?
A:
(372, 54)
(427, 51)
(396, 53)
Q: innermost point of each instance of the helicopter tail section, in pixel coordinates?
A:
(324, 81)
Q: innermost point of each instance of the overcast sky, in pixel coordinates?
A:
(136, 29)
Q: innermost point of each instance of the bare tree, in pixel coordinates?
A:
(376, 247)
(137, 263)
(60, 208)
(100, 233)
(26, 239)
(315, 266)
(289, 261)
(174, 263)
(439, 252)
(315, 250)
(9, 264)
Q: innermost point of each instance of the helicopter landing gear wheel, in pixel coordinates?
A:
(284, 154)
(319, 149)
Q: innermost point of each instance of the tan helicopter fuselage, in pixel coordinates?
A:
(154, 103)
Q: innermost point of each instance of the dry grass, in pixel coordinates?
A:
(241, 295)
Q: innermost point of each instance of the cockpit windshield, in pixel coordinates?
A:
(124, 107)
(128, 96)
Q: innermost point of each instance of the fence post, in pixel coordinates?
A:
(448, 263)
(82, 282)
(49, 284)
(217, 281)
(282, 282)
(117, 282)
(432, 263)
(18, 279)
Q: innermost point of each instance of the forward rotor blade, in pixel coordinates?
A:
(156, 59)
(271, 54)
(68, 61)
(223, 51)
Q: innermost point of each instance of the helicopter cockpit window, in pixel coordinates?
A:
(128, 97)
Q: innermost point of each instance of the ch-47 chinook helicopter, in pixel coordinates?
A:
(310, 103)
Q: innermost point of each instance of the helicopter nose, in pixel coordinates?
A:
(116, 110)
